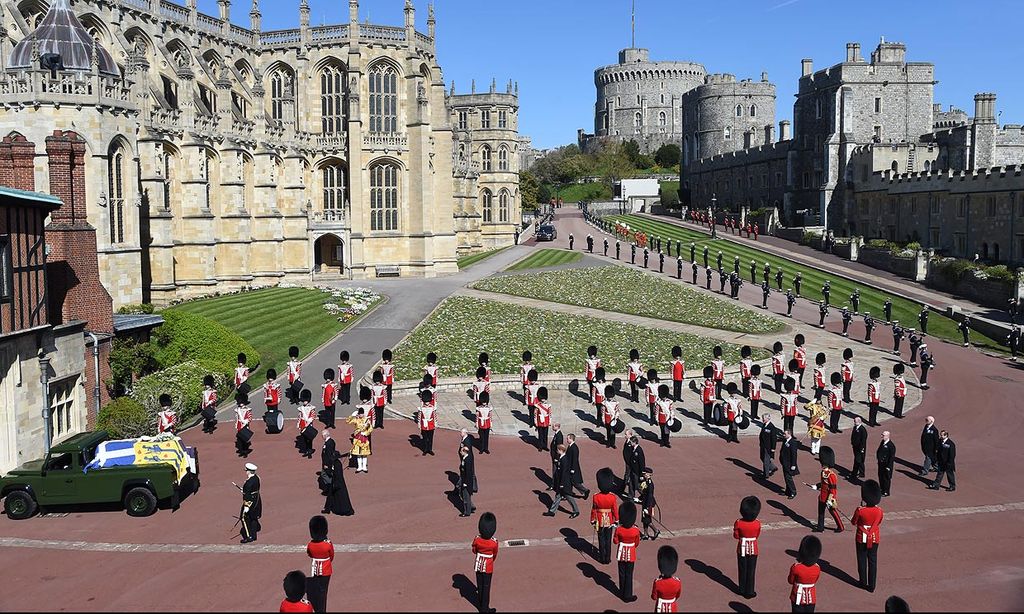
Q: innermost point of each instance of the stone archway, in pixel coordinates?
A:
(329, 254)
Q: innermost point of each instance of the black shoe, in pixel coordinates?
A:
(574, 514)
(817, 530)
(951, 489)
(630, 599)
(463, 515)
(325, 511)
(933, 487)
(246, 540)
(791, 496)
(548, 514)
(656, 534)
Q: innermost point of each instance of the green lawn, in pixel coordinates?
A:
(625, 290)
(870, 300)
(271, 320)
(462, 327)
(575, 192)
(472, 259)
(544, 258)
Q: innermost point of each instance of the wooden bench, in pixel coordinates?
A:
(388, 270)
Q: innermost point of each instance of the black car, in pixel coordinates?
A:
(547, 233)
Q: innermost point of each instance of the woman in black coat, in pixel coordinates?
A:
(338, 501)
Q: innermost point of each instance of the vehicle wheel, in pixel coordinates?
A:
(19, 505)
(140, 501)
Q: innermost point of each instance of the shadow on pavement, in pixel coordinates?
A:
(713, 573)
(599, 577)
(466, 588)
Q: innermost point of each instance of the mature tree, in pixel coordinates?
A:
(529, 189)
(667, 155)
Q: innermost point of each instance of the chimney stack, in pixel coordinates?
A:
(985, 108)
(806, 66)
(769, 135)
(764, 76)
(784, 130)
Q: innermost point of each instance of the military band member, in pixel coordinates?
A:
(307, 414)
(599, 392)
(718, 366)
(756, 386)
(816, 425)
(635, 372)
(591, 363)
(427, 420)
(208, 405)
(846, 370)
(243, 417)
(627, 538)
(778, 366)
(610, 419)
(745, 531)
(572, 240)
(790, 301)
(915, 341)
(167, 418)
(887, 310)
(485, 551)
(661, 262)
(819, 376)
(797, 281)
(387, 369)
(241, 374)
(379, 390)
(647, 256)
(800, 356)
(855, 300)
(431, 368)
(897, 336)
(779, 276)
(708, 275)
(804, 575)
(886, 457)
(794, 374)
(922, 319)
(665, 414)
(480, 386)
(483, 422)
(847, 318)
(678, 368)
(320, 550)
(562, 481)
(362, 428)
(753, 272)
(344, 379)
(294, 593)
(707, 393)
(485, 361)
(618, 248)
(867, 520)
(524, 370)
(874, 395)
(767, 440)
(590, 243)
(532, 386)
(825, 291)
(722, 278)
(745, 364)
(822, 313)
(946, 460)
(604, 514)
(632, 253)
(767, 272)
(679, 267)
(606, 247)
(329, 398)
(733, 410)
(252, 505)
(828, 490)
(766, 291)
(667, 588)
(835, 401)
(705, 253)
(927, 364)
(294, 375)
(788, 461)
(899, 389)
(542, 418)
(789, 404)
(869, 325)
(651, 393)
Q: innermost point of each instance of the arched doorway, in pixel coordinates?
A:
(329, 255)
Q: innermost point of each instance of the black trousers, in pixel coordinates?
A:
(719, 384)
(632, 483)
(483, 591)
(379, 412)
(787, 423)
(867, 565)
(897, 407)
(695, 278)
(858, 464)
(924, 375)
(484, 437)
(626, 580)
(466, 492)
(677, 389)
(790, 483)
(834, 513)
(747, 569)
(428, 441)
(944, 472)
(789, 309)
(800, 371)
(542, 437)
(345, 393)
(833, 419)
(381, 418)
(665, 442)
(609, 436)
(818, 392)
(327, 416)
(746, 387)
(604, 545)
(896, 344)
(251, 525)
(634, 392)
(873, 414)
(707, 412)
(846, 392)
(846, 327)
(885, 479)
(801, 609)
(867, 335)
(651, 411)
(754, 404)
(778, 377)
(316, 591)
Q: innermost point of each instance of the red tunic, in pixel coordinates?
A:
(745, 368)
(611, 412)
(899, 388)
(209, 398)
(800, 355)
(835, 398)
(307, 413)
(294, 370)
(166, 421)
(847, 371)
(598, 392)
(605, 510)
(543, 414)
(388, 370)
(628, 540)
(803, 578)
(486, 550)
(330, 394)
(678, 370)
(296, 606)
(531, 394)
(747, 534)
(524, 372)
(272, 394)
(829, 486)
(733, 407)
(778, 364)
(592, 365)
(664, 410)
(427, 421)
(635, 371)
(819, 377)
(431, 370)
(379, 394)
(483, 417)
(718, 367)
(789, 404)
(480, 386)
(874, 392)
(345, 374)
(243, 416)
(241, 374)
(755, 390)
(652, 391)
(708, 391)
(867, 520)
(665, 593)
(322, 554)
(796, 382)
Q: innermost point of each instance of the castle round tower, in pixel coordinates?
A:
(724, 115)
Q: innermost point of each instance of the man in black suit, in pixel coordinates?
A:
(468, 443)
(467, 476)
(766, 445)
(557, 439)
(787, 458)
(946, 459)
(859, 443)
(929, 446)
(886, 456)
(637, 462)
(572, 455)
(562, 483)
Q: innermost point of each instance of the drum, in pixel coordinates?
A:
(275, 421)
(618, 426)
(209, 414)
(309, 433)
(742, 421)
(244, 435)
(675, 425)
(641, 382)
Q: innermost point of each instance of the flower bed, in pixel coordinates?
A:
(348, 303)
(623, 290)
(462, 327)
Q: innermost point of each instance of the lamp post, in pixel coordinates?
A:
(714, 218)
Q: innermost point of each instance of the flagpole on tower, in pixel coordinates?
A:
(633, 26)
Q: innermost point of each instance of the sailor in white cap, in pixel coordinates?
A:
(252, 505)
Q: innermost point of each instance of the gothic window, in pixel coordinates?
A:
(696, 146)
(332, 100)
(485, 157)
(208, 99)
(281, 88)
(383, 99)
(502, 159)
(503, 208)
(503, 119)
(753, 110)
(332, 179)
(239, 104)
(384, 196)
(116, 189)
(739, 110)
(663, 99)
(463, 120)
(485, 119)
(638, 120)
(487, 205)
(727, 132)
(662, 119)
(817, 108)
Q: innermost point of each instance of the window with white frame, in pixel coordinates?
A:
(384, 196)
(116, 168)
(332, 180)
(63, 415)
(463, 120)
(281, 88)
(487, 205)
(503, 119)
(383, 98)
(485, 158)
(503, 158)
(485, 119)
(503, 208)
(332, 100)
(727, 132)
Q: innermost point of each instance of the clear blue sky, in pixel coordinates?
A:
(553, 46)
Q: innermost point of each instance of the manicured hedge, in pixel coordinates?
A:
(188, 336)
(184, 382)
(125, 418)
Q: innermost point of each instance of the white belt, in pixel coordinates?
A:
(867, 529)
(481, 559)
(747, 546)
(801, 591)
(664, 603)
(317, 566)
(623, 554)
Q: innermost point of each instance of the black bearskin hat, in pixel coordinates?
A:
(487, 525)
(305, 395)
(527, 356)
(542, 393)
(208, 380)
(627, 514)
(676, 351)
(745, 351)
(750, 507)
(798, 340)
(165, 400)
(717, 351)
(293, 351)
(668, 561)
(605, 480)
(827, 456)
(378, 377)
(896, 604)
(592, 350)
(484, 358)
(241, 398)
(810, 550)
(874, 373)
(295, 585)
(271, 374)
(847, 354)
(485, 397)
(652, 374)
(365, 394)
(328, 373)
(708, 372)
(634, 354)
(836, 378)
(794, 364)
(598, 373)
(819, 358)
(386, 355)
(790, 384)
(431, 357)
(755, 369)
(732, 387)
(870, 493)
(426, 396)
(532, 375)
(898, 368)
(344, 355)
(663, 391)
(318, 528)
(241, 359)
(481, 372)
(777, 347)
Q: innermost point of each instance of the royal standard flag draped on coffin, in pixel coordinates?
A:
(164, 448)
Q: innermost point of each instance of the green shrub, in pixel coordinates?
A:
(188, 336)
(184, 382)
(913, 246)
(953, 269)
(143, 309)
(810, 238)
(125, 418)
(1000, 273)
(880, 244)
(129, 359)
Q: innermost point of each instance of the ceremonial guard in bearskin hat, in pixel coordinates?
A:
(627, 538)
(667, 588)
(485, 550)
(243, 432)
(746, 530)
(294, 593)
(167, 418)
(344, 378)
(242, 374)
(867, 520)
(828, 490)
(321, 553)
(304, 423)
(804, 574)
(294, 374)
(208, 405)
(604, 514)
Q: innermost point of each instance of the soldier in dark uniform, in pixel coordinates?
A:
(778, 279)
(590, 243)
(647, 256)
(661, 262)
(632, 253)
(790, 301)
(572, 239)
(736, 264)
(766, 290)
(718, 260)
(922, 319)
(767, 272)
(869, 325)
(693, 252)
(694, 267)
(847, 318)
(799, 279)
(679, 267)
(606, 246)
(708, 274)
(946, 460)
(822, 313)
(788, 462)
(1013, 342)
(647, 503)
(887, 310)
(252, 505)
(722, 278)
(826, 290)
(886, 457)
(897, 336)
(734, 288)
(705, 256)
(915, 344)
(859, 444)
(855, 300)
(965, 330)
(927, 364)
(618, 248)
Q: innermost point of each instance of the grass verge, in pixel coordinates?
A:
(472, 259)
(545, 258)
